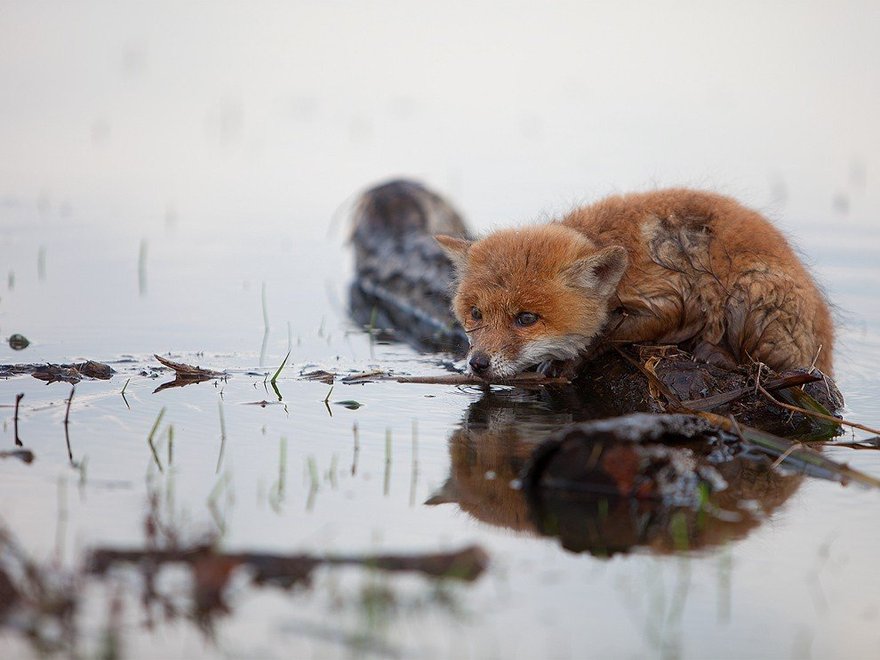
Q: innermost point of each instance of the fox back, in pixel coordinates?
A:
(671, 266)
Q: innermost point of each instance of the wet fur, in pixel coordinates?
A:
(698, 268)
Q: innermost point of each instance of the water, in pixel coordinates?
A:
(160, 168)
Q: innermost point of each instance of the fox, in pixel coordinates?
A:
(675, 266)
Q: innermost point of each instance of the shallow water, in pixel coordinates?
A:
(173, 183)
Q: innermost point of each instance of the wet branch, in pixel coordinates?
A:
(465, 564)
(710, 402)
(527, 378)
(817, 415)
(18, 398)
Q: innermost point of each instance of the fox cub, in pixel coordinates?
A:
(671, 266)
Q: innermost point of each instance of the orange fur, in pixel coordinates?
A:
(670, 266)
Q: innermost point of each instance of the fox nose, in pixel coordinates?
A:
(479, 363)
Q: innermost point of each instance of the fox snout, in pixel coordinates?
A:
(497, 365)
(479, 363)
(506, 364)
(491, 362)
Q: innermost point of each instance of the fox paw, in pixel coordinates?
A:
(714, 355)
(560, 368)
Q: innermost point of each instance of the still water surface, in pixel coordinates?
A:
(161, 171)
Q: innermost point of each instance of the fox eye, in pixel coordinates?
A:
(475, 314)
(525, 319)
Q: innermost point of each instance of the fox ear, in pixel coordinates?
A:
(600, 272)
(456, 249)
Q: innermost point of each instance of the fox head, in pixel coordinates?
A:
(525, 296)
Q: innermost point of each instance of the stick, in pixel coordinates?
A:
(806, 455)
(528, 378)
(817, 415)
(674, 401)
(69, 399)
(710, 402)
(18, 398)
(67, 423)
(466, 564)
(150, 439)
(779, 461)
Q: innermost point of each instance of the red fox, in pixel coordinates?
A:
(672, 266)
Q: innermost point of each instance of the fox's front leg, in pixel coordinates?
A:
(568, 369)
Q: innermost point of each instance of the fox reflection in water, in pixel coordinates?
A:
(713, 492)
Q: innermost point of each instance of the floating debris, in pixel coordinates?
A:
(18, 342)
(320, 375)
(24, 455)
(349, 403)
(53, 373)
(185, 374)
(187, 371)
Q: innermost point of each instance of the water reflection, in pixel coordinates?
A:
(178, 574)
(657, 496)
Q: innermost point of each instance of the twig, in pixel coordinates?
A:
(785, 454)
(67, 423)
(761, 365)
(528, 378)
(18, 398)
(817, 415)
(867, 443)
(673, 400)
(125, 400)
(736, 429)
(815, 358)
(808, 457)
(327, 401)
(150, 439)
(69, 400)
(710, 402)
(185, 371)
